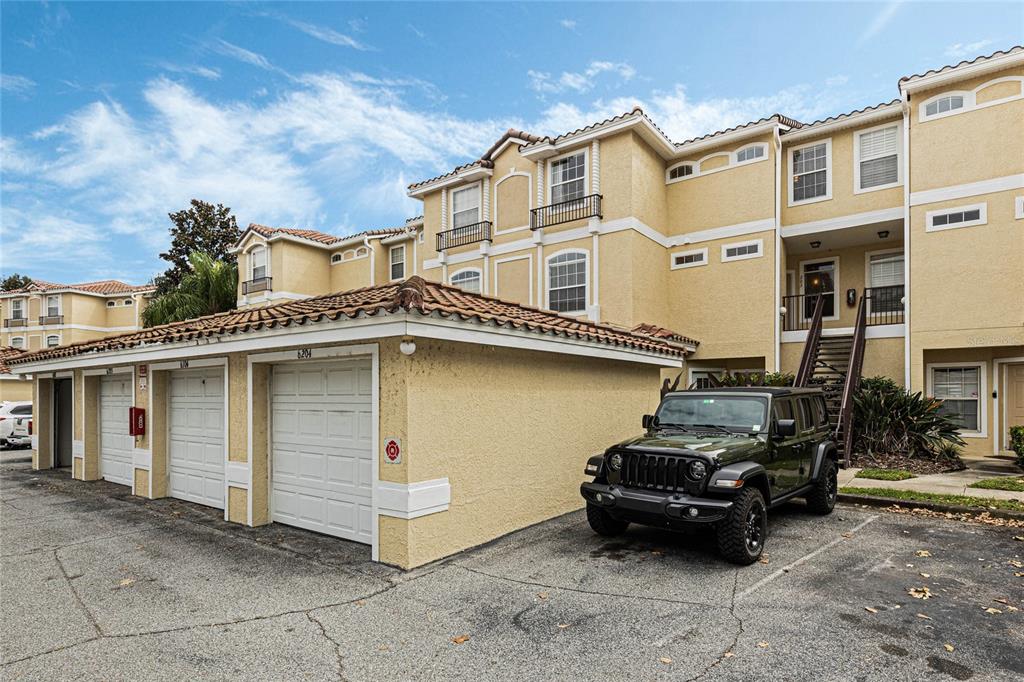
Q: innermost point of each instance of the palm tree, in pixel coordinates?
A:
(209, 288)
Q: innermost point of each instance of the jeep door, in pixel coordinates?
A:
(784, 465)
(807, 438)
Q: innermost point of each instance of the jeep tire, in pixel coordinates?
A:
(742, 534)
(602, 522)
(822, 497)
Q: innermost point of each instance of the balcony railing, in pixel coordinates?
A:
(15, 322)
(467, 234)
(51, 319)
(885, 305)
(566, 212)
(255, 285)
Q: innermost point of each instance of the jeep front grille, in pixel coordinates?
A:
(658, 472)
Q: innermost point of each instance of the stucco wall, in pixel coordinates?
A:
(15, 390)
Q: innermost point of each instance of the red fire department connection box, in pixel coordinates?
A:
(137, 421)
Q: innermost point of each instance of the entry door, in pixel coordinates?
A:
(115, 443)
(1014, 399)
(820, 278)
(63, 412)
(321, 442)
(195, 439)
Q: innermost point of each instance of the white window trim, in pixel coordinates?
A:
(732, 163)
(681, 266)
(547, 281)
(529, 200)
(479, 202)
(982, 220)
(747, 256)
(48, 337)
(111, 303)
(970, 99)
(982, 366)
(1018, 208)
(828, 173)
(586, 171)
(249, 261)
(899, 158)
(479, 273)
(391, 263)
(835, 286)
(46, 304)
(24, 308)
(867, 270)
(354, 252)
(736, 154)
(24, 342)
(670, 180)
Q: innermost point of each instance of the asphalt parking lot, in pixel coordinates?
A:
(98, 585)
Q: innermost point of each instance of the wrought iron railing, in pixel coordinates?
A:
(467, 234)
(566, 211)
(254, 285)
(798, 312)
(852, 383)
(51, 319)
(15, 322)
(811, 346)
(885, 304)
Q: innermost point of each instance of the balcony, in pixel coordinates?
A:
(467, 234)
(566, 212)
(15, 322)
(51, 319)
(884, 306)
(255, 285)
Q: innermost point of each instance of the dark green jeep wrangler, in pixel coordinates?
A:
(718, 456)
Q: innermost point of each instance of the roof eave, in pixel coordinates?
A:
(472, 174)
(689, 148)
(998, 63)
(654, 137)
(882, 113)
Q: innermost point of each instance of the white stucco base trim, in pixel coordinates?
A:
(409, 501)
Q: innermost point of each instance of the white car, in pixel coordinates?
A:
(15, 424)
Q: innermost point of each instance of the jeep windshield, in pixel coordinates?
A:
(703, 412)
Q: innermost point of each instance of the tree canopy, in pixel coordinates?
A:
(204, 228)
(15, 281)
(209, 287)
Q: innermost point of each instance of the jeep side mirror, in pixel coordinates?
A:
(649, 421)
(785, 428)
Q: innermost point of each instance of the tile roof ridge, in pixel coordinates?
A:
(1013, 49)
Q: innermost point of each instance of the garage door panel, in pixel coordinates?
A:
(196, 437)
(115, 443)
(322, 460)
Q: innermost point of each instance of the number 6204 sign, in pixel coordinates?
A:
(392, 450)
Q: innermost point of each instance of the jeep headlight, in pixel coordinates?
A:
(698, 470)
(615, 462)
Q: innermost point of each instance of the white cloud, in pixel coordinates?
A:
(568, 24)
(207, 72)
(580, 82)
(326, 34)
(880, 21)
(962, 50)
(837, 80)
(17, 85)
(241, 54)
(416, 31)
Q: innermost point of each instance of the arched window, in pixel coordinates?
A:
(567, 282)
(258, 262)
(944, 104)
(467, 280)
(52, 341)
(754, 151)
(17, 342)
(681, 171)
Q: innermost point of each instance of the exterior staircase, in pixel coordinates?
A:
(831, 369)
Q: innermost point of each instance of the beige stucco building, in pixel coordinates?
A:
(554, 269)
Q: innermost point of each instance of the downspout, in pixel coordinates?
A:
(778, 246)
(366, 243)
(905, 97)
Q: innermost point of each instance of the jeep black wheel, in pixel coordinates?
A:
(742, 534)
(602, 522)
(822, 497)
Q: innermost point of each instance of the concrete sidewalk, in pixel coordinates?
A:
(954, 483)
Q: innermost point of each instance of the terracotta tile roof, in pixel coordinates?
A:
(316, 236)
(839, 117)
(634, 112)
(106, 286)
(779, 118)
(485, 160)
(656, 332)
(413, 295)
(949, 67)
(6, 353)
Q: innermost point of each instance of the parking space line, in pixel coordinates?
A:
(807, 557)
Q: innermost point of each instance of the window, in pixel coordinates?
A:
(689, 259)
(52, 341)
(569, 178)
(466, 206)
(782, 409)
(806, 420)
(959, 389)
(467, 280)
(810, 166)
(127, 301)
(17, 342)
(111, 304)
(21, 410)
(52, 306)
(756, 151)
(944, 104)
(820, 411)
(680, 171)
(398, 262)
(820, 278)
(952, 218)
(258, 262)
(746, 413)
(18, 308)
(567, 283)
(877, 162)
(885, 277)
(336, 258)
(741, 251)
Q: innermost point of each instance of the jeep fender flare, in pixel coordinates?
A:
(825, 449)
(744, 471)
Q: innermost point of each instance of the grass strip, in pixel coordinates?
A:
(886, 474)
(937, 498)
(1014, 483)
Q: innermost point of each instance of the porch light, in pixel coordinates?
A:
(782, 310)
(883, 234)
(815, 244)
(407, 346)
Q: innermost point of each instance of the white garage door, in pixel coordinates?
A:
(322, 447)
(115, 443)
(195, 441)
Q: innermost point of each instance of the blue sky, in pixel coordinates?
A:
(318, 115)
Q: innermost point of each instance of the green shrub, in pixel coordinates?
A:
(888, 419)
(1017, 443)
(756, 379)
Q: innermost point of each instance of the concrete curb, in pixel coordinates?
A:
(873, 501)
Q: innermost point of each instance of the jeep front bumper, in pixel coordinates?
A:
(642, 506)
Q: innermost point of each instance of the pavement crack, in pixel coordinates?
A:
(78, 598)
(339, 659)
(728, 653)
